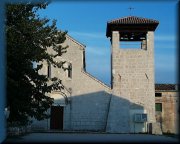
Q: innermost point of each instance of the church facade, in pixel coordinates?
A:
(87, 104)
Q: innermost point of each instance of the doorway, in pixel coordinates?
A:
(56, 120)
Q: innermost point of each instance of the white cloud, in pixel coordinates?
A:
(166, 42)
(103, 35)
(165, 46)
(88, 35)
(165, 38)
(100, 51)
(165, 61)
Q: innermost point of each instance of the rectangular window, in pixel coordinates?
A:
(158, 94)
(84, 61)
(49, 71)
(70, 71)
(158, 107)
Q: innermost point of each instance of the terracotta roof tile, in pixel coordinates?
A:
(133, 20)
(131, 24)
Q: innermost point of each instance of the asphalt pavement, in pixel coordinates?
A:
(90, 138)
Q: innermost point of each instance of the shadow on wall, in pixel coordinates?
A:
(101, 111)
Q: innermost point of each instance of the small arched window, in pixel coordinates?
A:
(49, 71)
(69, 71)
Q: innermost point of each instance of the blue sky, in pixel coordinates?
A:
(86, 22)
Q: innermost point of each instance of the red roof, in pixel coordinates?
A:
(133, 20)
(131, 24)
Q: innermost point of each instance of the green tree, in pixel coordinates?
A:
(28, 38)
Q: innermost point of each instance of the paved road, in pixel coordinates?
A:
(85, 137)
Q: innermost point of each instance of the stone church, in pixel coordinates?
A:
(87, 104)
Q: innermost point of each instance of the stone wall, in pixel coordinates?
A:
(88, 104)
(133, 81)
(18, 130)
(96, 107)
(169, 117)
(88, 97)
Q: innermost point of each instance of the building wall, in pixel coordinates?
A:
(88, 97)
(94, 106)
(133, 81)
(169, 116)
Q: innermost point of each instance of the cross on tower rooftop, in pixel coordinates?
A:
(130, 9)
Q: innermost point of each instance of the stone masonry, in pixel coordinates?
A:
(89, 104)
(168, 116)
(133, 79)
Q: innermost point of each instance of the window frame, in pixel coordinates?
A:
(69, 71)
(49, 71)
(158, 109)
(158, 95)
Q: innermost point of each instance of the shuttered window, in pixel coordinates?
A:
(159, 107)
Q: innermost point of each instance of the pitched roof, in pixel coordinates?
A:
(170, 87)
(75, 41)
(131, 24)
(133, 20)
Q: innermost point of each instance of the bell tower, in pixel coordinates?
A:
(132, 72)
